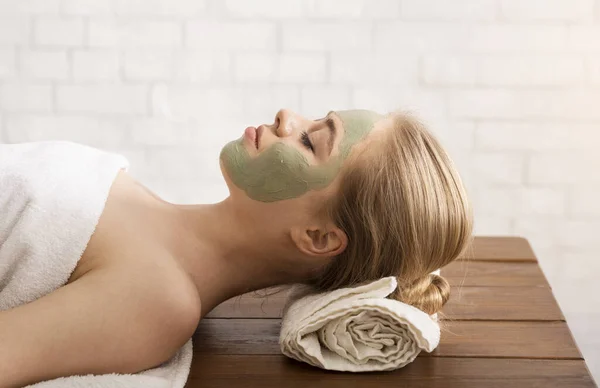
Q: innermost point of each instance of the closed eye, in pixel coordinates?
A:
(306, 141)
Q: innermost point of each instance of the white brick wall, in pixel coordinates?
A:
(44, 64)
(105, 98)
(594, 68)
(326, 36)
(30, 97)
(482, 10)
(111, 32)
(584, 202)
(14, 29)
(95, 65)
(147, 65)
(86, 7)
(264, 8)
(7, 63)
(547, 10)
(563, 167)
(97, 132)
(225, 35)
(511, 88)
(203, 67)
(31, 6)
(160, 7)
(53, 31)
(384, 69)
(504, 70)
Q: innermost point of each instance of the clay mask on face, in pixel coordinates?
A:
(283, 172)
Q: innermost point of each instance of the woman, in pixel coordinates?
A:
(351, 197)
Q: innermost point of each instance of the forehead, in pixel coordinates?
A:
(355, 126)
(357, 117)
(356, 121)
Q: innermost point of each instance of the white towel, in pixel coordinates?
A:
(52, 194)
(172, 374)
(356, 329)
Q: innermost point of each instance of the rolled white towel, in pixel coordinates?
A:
(356, 329)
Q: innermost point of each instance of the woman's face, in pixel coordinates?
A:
(284, 172)
(294, 155)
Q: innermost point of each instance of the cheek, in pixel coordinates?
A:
(278, 173)
(275, 174)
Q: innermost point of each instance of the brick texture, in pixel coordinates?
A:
(510, 87)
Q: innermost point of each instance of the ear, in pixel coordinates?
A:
(320, 241)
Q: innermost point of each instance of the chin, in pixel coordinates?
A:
(234, 192)
(225, 176)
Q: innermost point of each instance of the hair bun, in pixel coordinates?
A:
(429, 293)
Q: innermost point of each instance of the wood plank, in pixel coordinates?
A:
(507, 339)
(504, 328)
(224, 371)
(500, 249)
(459, 338)
(491, 273)
(503, 303)
(481, 303)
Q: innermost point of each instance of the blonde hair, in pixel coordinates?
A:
(405, 213)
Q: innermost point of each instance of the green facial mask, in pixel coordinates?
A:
(283, 172)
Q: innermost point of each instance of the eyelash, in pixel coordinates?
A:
(306, 141)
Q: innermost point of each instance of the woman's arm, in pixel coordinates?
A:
(97, 324)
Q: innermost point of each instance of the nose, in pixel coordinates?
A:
(284, 122)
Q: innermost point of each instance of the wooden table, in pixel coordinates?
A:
(503, 329)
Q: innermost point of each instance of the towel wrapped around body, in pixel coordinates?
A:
(52, 194)
(356, 329)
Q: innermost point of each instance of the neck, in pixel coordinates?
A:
(223, 253)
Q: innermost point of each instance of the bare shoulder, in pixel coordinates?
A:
(106, 321)
(162, 292)
(136, 266)
(159, 289)
(126, 307)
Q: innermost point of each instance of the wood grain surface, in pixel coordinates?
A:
(501, 327)
(492, 273)
(425, 372)
(475, 303)
(519, 339)
(500, 249)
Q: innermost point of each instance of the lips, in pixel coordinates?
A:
(258, 133)
(252, 136)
